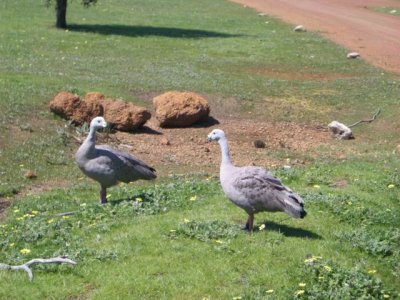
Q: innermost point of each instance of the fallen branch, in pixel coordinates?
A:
(344, 132)
(26, 265)
(367, 121)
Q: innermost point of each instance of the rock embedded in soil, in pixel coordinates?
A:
(300, 28)
(259, 144)
(180, 109)
(353, 55)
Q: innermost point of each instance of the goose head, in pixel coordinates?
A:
(98, 123)
(216, 135)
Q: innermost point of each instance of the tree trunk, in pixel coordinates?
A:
(61, 14)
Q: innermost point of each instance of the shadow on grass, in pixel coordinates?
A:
(135, 31)
(291, 231)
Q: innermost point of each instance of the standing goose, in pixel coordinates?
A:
(109, 166)
(253, 188)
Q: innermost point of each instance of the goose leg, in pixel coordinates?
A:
(249, 224)
(103, 195)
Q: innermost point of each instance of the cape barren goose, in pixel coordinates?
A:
(109, 166)
(253, 188)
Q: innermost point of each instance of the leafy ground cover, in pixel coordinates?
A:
(179, 238)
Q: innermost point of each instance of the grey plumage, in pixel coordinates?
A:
(109, 166)
(253, 188)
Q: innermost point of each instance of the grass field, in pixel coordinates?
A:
(180, 238)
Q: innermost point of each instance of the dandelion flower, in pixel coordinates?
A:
(386, 296)
(172, 230)
(20, 218)
(219, 242)
(108, 196)
(316, 186)
(302, 284)
(390, 186)
(269, 291)
(194, 198)
(65, 217)
(328, 268)
(25, 251)
(299, 293)
(50, 221)
(12, 245)
(262, 226)
(321, 277)
(35, 212)
(138, 199)
(186, 220)
(206, 298)
(83, 205)
(371, 271)
(237, 298)
(16, 210)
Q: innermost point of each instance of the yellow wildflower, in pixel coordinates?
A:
(25, 251)
(371, 271)
(82, 204)
(194, 198)
(65, 217)
(321, 277)
(206, 298)
(299, 293)
(138, 199)
(172, 230)
(35, 212)
(390, 186)
(302, 284)
(262, 226)
(16, 210)
(108, 196)
(386, 296)
(219, 241)
(316, 186)
(269, 291)
(328, 268)
(12, 244)
(20, 218)
(237, 298)
(186, 220)
(50, 221)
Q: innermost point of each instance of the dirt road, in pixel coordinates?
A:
(376, 36)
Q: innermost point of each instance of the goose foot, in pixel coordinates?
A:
(103, 196)
(249, 224)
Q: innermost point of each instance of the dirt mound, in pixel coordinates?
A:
(180, 109)
(122, 115)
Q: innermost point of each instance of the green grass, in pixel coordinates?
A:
(387, 10)
(181, 239)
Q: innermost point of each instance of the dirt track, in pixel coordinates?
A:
(376, 36)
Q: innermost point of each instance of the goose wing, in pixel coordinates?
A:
(126, 167)
(263, 191)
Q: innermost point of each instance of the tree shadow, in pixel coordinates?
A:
(136, 31)
(289, 231)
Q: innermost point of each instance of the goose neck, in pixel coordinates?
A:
(226, 159)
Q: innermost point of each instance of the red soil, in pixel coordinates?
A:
(376, 36)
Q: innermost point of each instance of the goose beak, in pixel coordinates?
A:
(104, 124)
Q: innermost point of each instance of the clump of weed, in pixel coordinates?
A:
(328, 280)
(378, 243)
(207, 230)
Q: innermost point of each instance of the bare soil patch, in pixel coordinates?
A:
(172, 150)
(376, 36)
